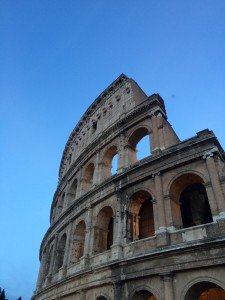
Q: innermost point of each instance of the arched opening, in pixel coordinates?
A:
(195, 208)
(101, 298)
(60, 253)
(48, 261)
(138, 145)
(114, 165)
(109, 163)
(146, 220)
(189, 202)
(205, 291)
(140, 217)
(78, 242)
(143, 295)
(72, 192)
(104, 230)
(61, 204)
(54, 211)
(143, 148)
(87, 180)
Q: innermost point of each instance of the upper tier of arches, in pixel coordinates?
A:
(116, 101)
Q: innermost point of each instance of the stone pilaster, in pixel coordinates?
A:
(160, 130)
(155, 141)
(118, 290)
(160, 203)
(168, 213)
(155, 213)
(121, 155)
(211, 198)
(67, 248)
(52, 262)
(168, 286)
(118, 228)
(41, 273)
(88, 239)
(216, 186)
(97, 171)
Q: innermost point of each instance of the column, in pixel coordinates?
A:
(217, 189)
(96, 175)
(155, 213)
(67, 248)
(88, 232)
(160, 203)
(134, 226)
(41, 271)
(160, 134)
(121, 155)
(130, 155)
(168, 286)
(82, 295)
(52, 262)
(118, 220)
(211, 197)
(117, 286)
(168, 211)
(116, 248)
(155, 133)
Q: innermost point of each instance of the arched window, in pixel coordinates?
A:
(71, 195)
(60, 253)
(48, 261)
(78, 242)
(109, 163)
(189, 201)
(114, 166)
(143, 295)
(138, 145)
(143, 148)
(54, 212)
(195, 208)
(61, 204)
(205, 290)
(140, 217)
(104, 230)
(146, 220)
(87, 180)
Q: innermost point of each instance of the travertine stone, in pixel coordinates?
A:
(155, 229)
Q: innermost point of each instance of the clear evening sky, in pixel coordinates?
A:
(56, 57)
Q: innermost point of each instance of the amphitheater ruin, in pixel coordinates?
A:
(152, 229)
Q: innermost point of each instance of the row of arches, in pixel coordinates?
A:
(190, 208)
(203, 290)
(137, 148)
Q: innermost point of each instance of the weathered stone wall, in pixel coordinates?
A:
(155, 229)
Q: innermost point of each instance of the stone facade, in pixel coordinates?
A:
(153, 230)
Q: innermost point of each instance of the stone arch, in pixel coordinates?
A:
(136, 136)
(78, 240)
(48, 261)
(106, 163)
(60, 253)
(102, 297)
(140, 217)
(189, 201)
(103, 231)
(143, 293)
(72, 192)
(87, 180)
(61, 203)
(204, 289)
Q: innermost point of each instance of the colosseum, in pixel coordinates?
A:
(152, 229)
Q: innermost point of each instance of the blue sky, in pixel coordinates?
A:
(56, 57)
